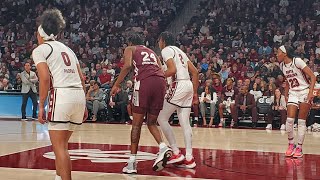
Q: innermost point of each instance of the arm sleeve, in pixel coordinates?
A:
(300, 63)
(167, 53)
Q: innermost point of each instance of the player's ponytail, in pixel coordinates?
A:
(51, 24)
(288, 50)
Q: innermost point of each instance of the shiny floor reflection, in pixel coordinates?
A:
(103, 150)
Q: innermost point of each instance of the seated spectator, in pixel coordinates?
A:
(271, 89)
(18, 82)
(278, 107)
(228, 95)
(105, 79)
(240, 83)
(95, 101)
(315, 111)
(255, 91)
(244, 103)
(217, 85)
(111, 71)
(5, 85)
(129, 90)
(263, 87)
(208, 99)
(224, 73)
(93, 75)
(265, 50)
(118, 103)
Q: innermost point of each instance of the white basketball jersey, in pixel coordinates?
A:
(295, 76)
(180, 59)
(62, 63)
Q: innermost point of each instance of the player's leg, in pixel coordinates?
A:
(163, 120)
(164, 151)
(184, 115)
(59, 140)
(292, 109)
(220, 110)
(138, 117)
(304, 109)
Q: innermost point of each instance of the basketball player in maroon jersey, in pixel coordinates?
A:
(299, 94)
(148, 98)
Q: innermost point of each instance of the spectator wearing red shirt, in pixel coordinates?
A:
(234, 73)
(104, 79)
(120, 64)
(217, 86)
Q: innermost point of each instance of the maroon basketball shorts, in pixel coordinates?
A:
(148, 95)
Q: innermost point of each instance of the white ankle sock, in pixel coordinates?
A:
(133, 157)
(58, 178)
(188, 157)
(162, 145)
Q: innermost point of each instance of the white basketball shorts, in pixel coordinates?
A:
(297, 97)
(66, 108)
(180, 94)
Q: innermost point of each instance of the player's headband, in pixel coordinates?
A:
(283, 49)
(44, 35)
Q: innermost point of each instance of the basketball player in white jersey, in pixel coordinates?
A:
(299, 93)
(60, 75)
(182, 93)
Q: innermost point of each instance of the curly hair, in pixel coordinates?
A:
(52, 21)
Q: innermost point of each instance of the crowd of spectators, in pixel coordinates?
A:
(96, 31)
(239, 40)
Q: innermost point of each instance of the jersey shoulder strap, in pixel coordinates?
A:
(50, 51)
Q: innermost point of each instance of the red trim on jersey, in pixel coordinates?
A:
(51, 104)
(304, 76)
(172, 89)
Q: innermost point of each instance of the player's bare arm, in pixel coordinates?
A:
(128, 52)
(309, 73)
(286, 91)
(85, 116)
(171, 68)
(195, 81)
(44, 81)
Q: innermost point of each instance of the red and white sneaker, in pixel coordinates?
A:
(175, 158)
(186, 164)
(298, 153)
(291, 150)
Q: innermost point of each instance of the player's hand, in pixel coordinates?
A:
(195, 100)
(309, 98)
(42, 116)
(85, 115)
(114, 90)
